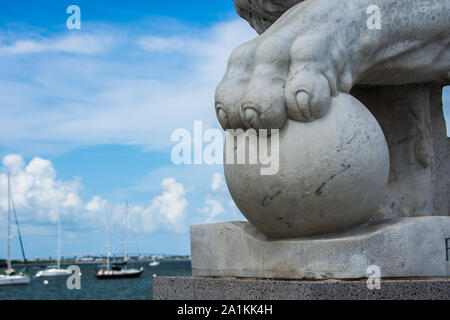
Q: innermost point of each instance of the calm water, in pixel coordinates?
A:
(92, 288)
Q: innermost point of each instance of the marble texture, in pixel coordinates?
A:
(318, 48)
(332, 174)
(412, 119)
(308, 54)
(403, 247)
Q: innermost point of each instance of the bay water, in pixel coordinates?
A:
(94, 289)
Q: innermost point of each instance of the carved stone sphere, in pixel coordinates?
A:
(332, 174)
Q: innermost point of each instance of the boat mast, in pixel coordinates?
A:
(59, 242)
(108, 247)
(125, 253)
(18, 229)
(9, 224)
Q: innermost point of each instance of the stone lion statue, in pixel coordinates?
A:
(309, 52)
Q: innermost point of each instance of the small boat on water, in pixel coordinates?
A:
(55, 271)
(154, 264)
(118, 270)
(11, 277)
(14, 279)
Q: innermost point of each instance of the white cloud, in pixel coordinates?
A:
(166, 211)
(13, 163)
(169, 208)
(123, 96)
(212, 210)
(76, 44)
(160, 44)
(41, 169)
(40, 197)
(217, 182)
(96, 205)
(34, 188)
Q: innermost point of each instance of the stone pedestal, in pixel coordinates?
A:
(402, 247)
(183, 288)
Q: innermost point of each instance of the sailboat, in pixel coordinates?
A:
(118, 270)
(55, 271)
(10, 277)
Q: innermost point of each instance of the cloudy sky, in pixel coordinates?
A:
(86, 118)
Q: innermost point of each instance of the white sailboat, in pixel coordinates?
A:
(154, 264)
(55, 271)
(118, 270)
(10, 277)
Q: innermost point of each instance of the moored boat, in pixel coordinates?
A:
(10, 277)
(6, 280)
(118, 270)
(55, 271)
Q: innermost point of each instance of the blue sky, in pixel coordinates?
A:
(86, 118)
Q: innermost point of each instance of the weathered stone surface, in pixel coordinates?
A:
(404, 247)
(262, 14)
(412, 120)
(320, 48)
(182, 288)
(332, 174)
(310, 52)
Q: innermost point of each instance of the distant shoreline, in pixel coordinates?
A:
(97, 261)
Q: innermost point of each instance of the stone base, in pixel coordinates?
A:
(183, 288)
(401, 248)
